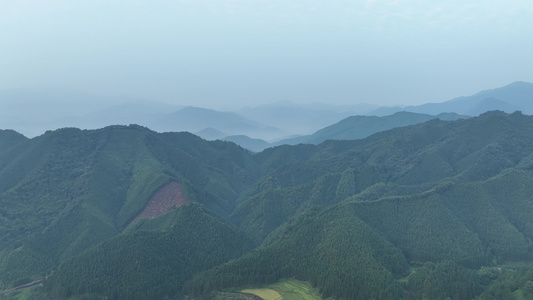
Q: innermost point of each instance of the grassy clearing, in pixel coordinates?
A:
(287, 289)
(266, 294)
(292, 289)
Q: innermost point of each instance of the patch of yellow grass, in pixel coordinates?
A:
(292, 289)
(266, 294)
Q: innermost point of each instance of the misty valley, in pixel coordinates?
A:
(424, 202)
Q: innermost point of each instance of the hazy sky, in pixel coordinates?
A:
(248, 52)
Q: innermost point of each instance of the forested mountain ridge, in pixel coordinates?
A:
(418, 157)
(350, 128)
(152, 260)
(441, 191)
(352, 217)
(358, 127)
(8, 137)
(69, 189)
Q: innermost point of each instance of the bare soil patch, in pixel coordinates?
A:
(169, 196)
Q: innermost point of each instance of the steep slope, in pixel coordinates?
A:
(167, 197)
(356, 248)
(148, 262)
(358, 218)
(70, 189)
(11, 143)
(333, 249)
(417, 156)
(467, 223)
(10, 137)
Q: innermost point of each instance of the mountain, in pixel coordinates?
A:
(438, 191)
(416, 211)
(161, 258)
(255, 145)
(357, 127)
(10, 138)
(302, 119)
(351, 128)
(211, 134)
(33, 111)
(418, 155)
(492, 103)
(195, 119)
(318, 246)
(509, 98)
(67, 190)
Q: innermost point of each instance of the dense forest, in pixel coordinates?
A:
(437, 210)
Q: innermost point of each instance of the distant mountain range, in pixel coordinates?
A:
(302, 119)
(32, 112)
(515, 96)
(195, 119)
(350, 128)
(358, 127)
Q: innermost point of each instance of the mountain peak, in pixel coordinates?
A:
(514, 96)
(520, 84)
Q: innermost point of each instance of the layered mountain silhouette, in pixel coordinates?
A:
(425, 209)
(357, 127)
(32, 112)
(512, 97)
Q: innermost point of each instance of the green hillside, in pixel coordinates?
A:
(423, 211)
(151, 261)
(441, 191)
(433, 226)
(331, 248)
(417, 158)
(10, 141)
(70, 189)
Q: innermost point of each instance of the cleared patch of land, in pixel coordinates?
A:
(169, 196)
(265, 294)
(292, 289)
(286, 289)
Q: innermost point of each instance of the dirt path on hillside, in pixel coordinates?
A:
(22, 287)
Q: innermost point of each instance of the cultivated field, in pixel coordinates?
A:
(288, 289)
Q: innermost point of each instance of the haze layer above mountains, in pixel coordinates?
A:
(31, 112)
